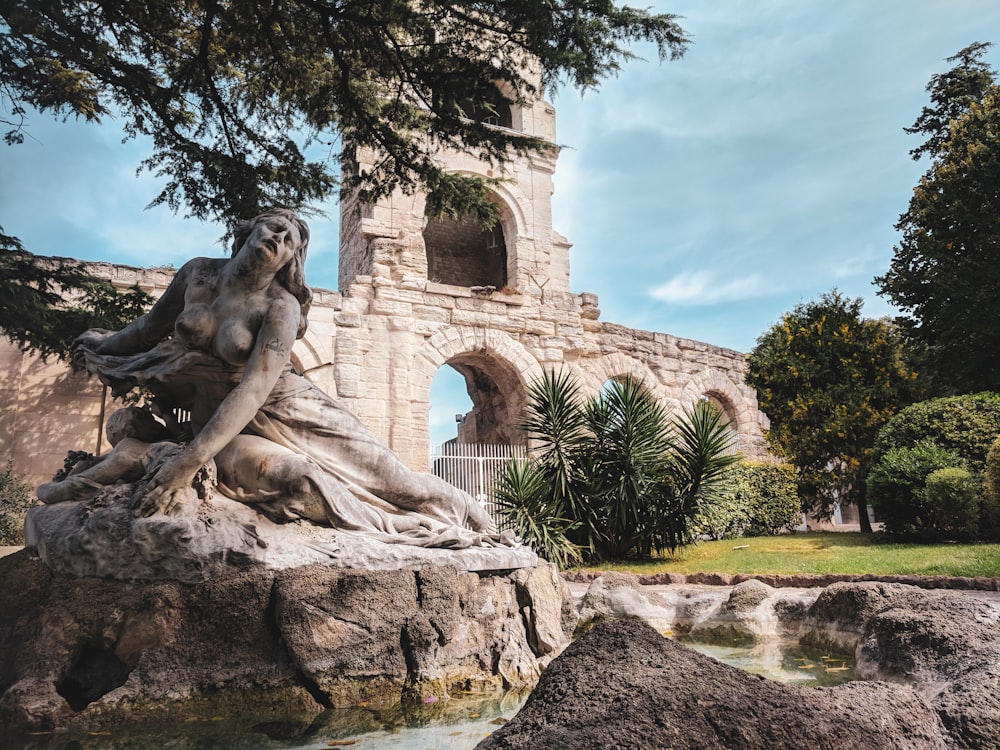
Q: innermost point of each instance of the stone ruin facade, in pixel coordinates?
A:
(417, 294)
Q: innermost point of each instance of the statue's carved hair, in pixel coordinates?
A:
(292, 276)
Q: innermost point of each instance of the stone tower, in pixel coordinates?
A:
(394, 239)
(496, 305)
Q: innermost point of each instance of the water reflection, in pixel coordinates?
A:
(784, 661)
(455, 724)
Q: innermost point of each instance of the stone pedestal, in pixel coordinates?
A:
(100, 537)
(105, 618)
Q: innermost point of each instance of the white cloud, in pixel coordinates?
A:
(702, 288)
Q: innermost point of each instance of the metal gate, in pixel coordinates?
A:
(473, 467)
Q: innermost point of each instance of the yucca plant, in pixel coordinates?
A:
(524, 498)
(614, 475)
(630, 438)
(700, 453)
(556, 418)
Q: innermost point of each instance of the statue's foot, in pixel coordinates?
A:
(71, 488)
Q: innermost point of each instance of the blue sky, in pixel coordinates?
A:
(703, 197)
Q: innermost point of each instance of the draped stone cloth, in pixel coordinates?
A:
(364, 486)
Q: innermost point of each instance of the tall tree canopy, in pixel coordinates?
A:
(828, 380)
(952, 93)
(245, 100)
(945, 272)
(248, 102)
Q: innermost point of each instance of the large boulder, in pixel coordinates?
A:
(946, 645)
(623, 685)
(88, 652)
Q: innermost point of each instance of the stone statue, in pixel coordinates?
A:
(218, 345)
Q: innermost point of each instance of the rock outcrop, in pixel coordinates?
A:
(946, 645)
(101, 537)
(89, 652)
(749, 612)
(936, 653)
(623, 685)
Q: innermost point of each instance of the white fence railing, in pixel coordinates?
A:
(473, 467)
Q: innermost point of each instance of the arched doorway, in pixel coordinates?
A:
(725, 408)
(495, 394)
(485, 436)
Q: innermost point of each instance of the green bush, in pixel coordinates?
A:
(952, 499)
(990, 520)
(727, 518)
(15, 499)
(967, 425)
(896, 487)
(763, 502)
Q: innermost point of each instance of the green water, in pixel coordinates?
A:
(784, 662)
(456, 724)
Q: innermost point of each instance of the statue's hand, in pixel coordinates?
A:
(169, 489)
(90, 339)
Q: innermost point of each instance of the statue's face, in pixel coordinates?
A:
(274, 240)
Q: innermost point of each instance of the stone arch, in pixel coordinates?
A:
(592, 374)
(460, 252)
(723, 392)
(714, 383)
(513, 217)
(509, 195)
(496, 369)
(306, 354)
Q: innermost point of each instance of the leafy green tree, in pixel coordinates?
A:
(828, 379)
(614, 475)
(944, 274)
(245, 101)
(15, 499)
(46, 302)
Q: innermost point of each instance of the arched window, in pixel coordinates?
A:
(464, 253)
(495, 110)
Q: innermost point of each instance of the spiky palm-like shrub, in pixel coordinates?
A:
(613, 475)
(524, 499)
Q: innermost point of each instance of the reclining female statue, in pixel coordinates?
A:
(218, 343)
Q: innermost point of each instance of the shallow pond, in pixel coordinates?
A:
(457, 724)
(784, 662)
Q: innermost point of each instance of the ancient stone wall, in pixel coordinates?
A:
(378, 348)
(378, 342)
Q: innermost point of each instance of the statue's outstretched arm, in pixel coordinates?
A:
(146, 331)
(271, 354)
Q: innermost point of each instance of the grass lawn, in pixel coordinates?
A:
(823, 553)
